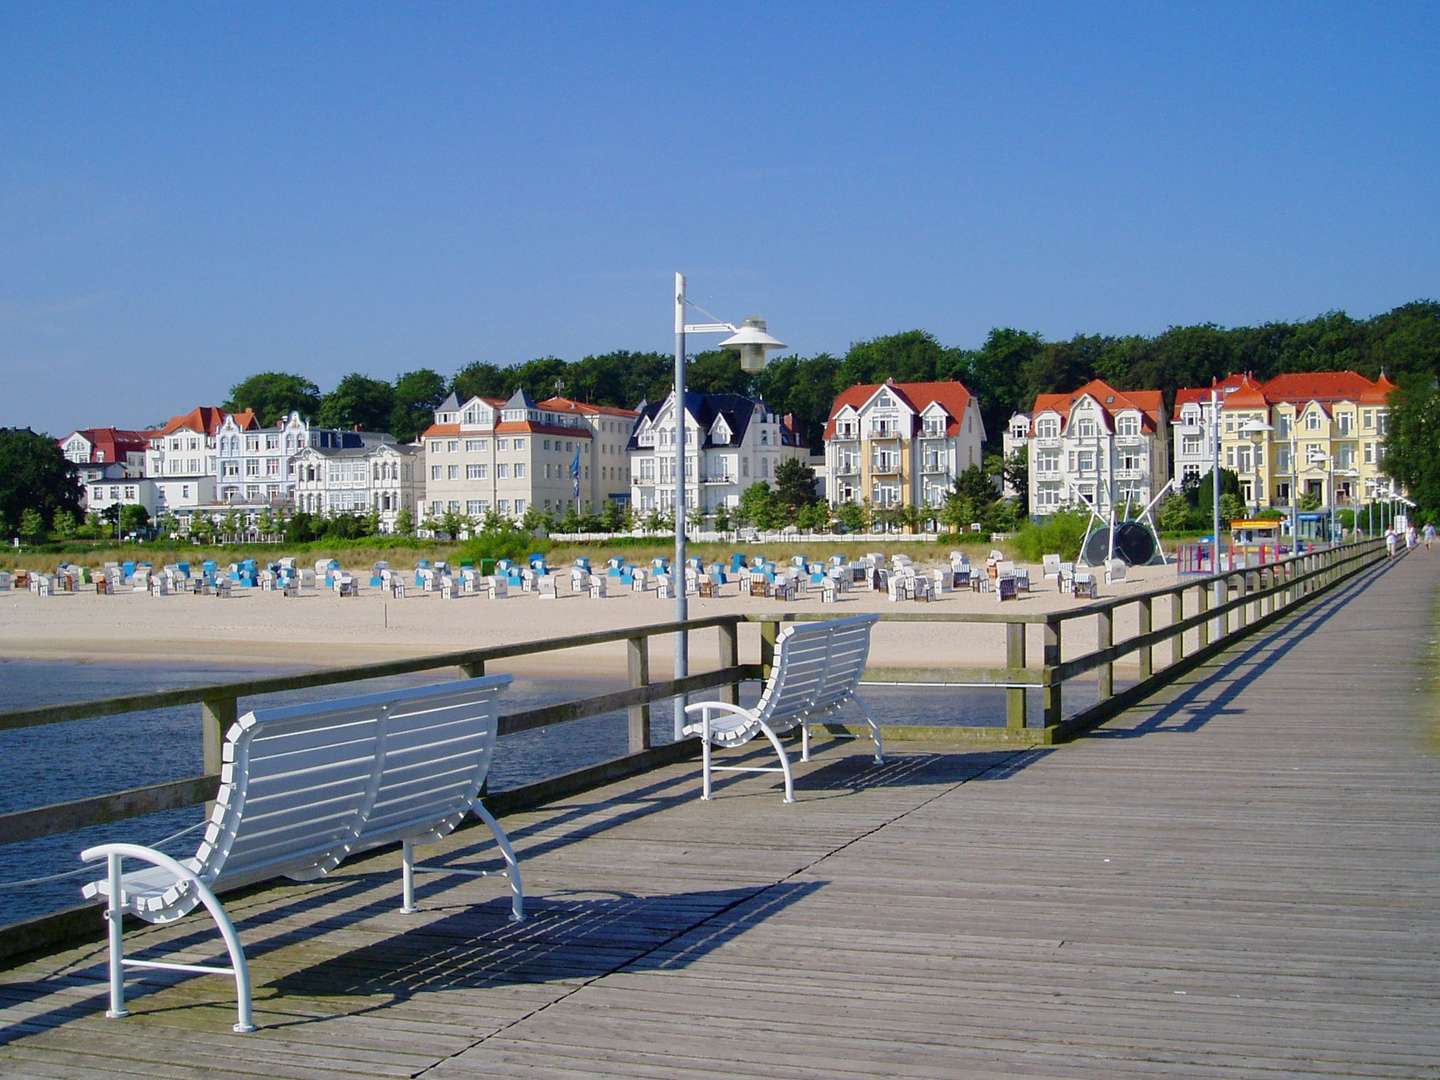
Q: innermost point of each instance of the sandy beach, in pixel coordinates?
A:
(320, 629)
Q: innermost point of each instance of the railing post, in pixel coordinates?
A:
(1050, 657)
(1267, 582)
(1242, 587)
(1104, 638)
(729, 658)
(1146, 624)
(1015, 658)
(216, 716)
(473, 669)
(769, 632)
(1177, 615)
(637, 661)
(1203, 594)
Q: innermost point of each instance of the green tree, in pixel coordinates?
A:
(794, 483)
(416, 395)
(273, 395)
(717, 372)
(958, 512)
(1232, 508)
(1174, 514)
(535, 519)
(404, 522)
(855, 517)
(134, 518)
(370, 522)
(760, 508)
(32, 525)
(722, 518)
(975, 485)
(358, 402)
(910, 517)
(167, 525)
(480, 379)
(1309, 500)
(451, 523)
(63, 524)
(1015, 473)
(814, 516)
(910, 356)
(232, 526)
(34, 475)
(1412, 442)
(612, 517)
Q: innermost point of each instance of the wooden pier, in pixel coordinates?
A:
(1238, 877)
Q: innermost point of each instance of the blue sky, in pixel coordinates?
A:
(191, 193)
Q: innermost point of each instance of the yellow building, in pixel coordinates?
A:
(1327, 438)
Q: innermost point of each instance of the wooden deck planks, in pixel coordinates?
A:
(1240, 877)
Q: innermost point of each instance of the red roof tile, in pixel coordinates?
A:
(1295, 388)
(203, 420)
(950, 395)
(112, 444)
(1148, 403)
(564, 404)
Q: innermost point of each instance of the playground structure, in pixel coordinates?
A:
(1134, 541)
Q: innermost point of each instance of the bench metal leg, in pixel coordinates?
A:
(874, 730)
(804, 741)
(407, 877)
(705, 760)
(784, 761)
(512, 865)
(115, 913)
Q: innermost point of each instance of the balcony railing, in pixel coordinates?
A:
(1049, 442)
(885, 465)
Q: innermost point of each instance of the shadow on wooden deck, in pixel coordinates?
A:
(1212, 690)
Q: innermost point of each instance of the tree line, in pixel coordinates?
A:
(1005, 372)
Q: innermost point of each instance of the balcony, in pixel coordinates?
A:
(935, 467)
(644, 481)
(1129, 440)
(1050, 442)
(885, 466)
(717, 478)
(1129, 474)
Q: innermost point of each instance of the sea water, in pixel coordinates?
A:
(74, 759)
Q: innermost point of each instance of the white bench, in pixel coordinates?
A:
(816, 671)
(304, 787)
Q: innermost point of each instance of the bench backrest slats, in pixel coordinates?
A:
(817, 666)
(303, 786)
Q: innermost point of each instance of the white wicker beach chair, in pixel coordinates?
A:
(816, 672)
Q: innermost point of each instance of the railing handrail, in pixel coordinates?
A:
(161, 699)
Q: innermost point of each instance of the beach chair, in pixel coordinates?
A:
(597, 586)
(637, 580)
(829, 590)
(304, 787)
(546, 586)
(447, 588)
(758, 585)
(1114, 571)
(816, 672)
(222, 587)
(1050, 568)
(1022, 579)
(159, 586)
(499, 586)
(1066, 582)
(1084, 586)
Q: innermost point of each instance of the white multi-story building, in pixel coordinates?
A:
(371, 473)
(105, 455)
(488, 455)
(901, 444)
(731, 442)
(255, 463)
(1091, 444)
(181, 457)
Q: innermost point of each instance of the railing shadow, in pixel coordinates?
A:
(1238, 671)
(911, 768)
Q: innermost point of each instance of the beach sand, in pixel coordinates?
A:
(319, 629)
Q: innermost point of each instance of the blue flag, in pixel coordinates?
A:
(575, 473)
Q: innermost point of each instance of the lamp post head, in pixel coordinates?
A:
(751, 341)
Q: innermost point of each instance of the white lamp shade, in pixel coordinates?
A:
(751, 341)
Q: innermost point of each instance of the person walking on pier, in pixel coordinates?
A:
(1429, 534)
(1390, 539)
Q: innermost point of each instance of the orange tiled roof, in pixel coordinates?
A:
(564, 404)
(950, 395)
(1147, 402)
(507, 427)
(1299, 388)
(203, 420)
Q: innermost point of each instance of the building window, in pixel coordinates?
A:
(474, 446)
(1190, 446)
(519, 445)
(452, 446)
(1047, 428)
(1344, 421)
(519, 506)
(435, 472)
(503, 506)
(519, 470)
(1312, 421)
(502, 444)
(473, 507)
(474, 472)
(1085, 428)
(502, 471)
(452, 472)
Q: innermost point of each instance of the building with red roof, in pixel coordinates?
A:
(897, 444)
(488, 454)
(1092, 446)
(1321, 433)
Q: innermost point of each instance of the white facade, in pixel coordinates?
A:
(102, 494)
(1091, 445)
(255, 464)
(731, 442)
(379, 476)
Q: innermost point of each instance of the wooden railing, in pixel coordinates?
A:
(1254, 597)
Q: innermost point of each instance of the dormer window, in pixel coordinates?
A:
(1128, 424)
(1047, 427)
(1085, 428)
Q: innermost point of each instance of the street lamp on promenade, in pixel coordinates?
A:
(752, 341)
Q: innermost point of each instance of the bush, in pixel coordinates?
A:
(1061, 532)
(506, 541)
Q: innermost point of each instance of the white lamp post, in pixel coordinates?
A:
(1256, 428)
(751, 340)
